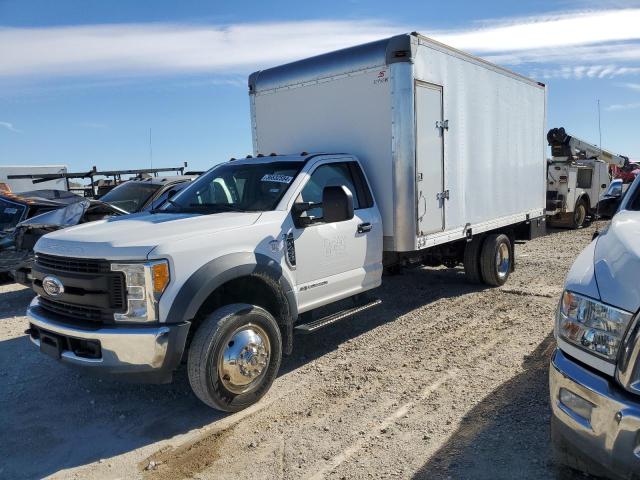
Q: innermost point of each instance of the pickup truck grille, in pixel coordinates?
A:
(92, 292)
(66, 264)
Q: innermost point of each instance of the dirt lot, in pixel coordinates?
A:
(443, 380)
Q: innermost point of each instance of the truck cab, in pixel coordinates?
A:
(595, 371)
(233, 261)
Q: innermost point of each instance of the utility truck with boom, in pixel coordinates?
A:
(408, 166)
(577, 175)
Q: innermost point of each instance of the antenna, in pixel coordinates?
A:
(151, 162)
(599, 127)
(597, 230)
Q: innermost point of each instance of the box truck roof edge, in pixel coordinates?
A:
(396, 49)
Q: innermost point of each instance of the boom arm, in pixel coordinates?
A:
(567, 147)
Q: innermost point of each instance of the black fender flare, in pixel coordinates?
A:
(204, 281)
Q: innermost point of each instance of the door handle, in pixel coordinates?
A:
(364, 227)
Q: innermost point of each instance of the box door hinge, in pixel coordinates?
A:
(442, 125)
(442, 195)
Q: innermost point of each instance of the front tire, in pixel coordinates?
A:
(495, 260)
(579, 215)
(234, 357)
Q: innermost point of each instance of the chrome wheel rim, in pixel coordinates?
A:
(503, 260)
(242, 364)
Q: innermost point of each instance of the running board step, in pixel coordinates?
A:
(335, 317)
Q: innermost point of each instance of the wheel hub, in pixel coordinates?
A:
(244, 359)
(503, 260)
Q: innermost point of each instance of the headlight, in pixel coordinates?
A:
(146, 283)
(591, 325)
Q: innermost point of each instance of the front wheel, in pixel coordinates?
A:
(495, 260)
(234, 357)
(579, 215)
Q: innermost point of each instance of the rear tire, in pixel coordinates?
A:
(471, 260)
(234, 357)
(495, 259)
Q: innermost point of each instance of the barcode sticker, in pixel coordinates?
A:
(274, 177)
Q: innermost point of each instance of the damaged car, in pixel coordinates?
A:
(27, 216)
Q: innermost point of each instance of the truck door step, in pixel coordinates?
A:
(319, 323)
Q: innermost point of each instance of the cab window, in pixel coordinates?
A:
(329, 175)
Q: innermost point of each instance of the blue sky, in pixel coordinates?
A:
(83, 81)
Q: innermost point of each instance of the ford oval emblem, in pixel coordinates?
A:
(52, 286)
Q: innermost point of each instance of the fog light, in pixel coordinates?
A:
(576, 404)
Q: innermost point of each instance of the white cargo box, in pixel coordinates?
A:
(452, 145)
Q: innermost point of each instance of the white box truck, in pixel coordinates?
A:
(423, 155)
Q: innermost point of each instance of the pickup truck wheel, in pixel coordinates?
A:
(495, 259)
(471, 260)
(234, 356)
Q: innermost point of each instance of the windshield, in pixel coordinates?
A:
(10, 213)
(237, 187)
(130, 196)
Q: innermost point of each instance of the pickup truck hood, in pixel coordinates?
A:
(134, 236)
(617, 262)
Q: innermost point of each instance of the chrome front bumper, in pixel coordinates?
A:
(150, 352)
(610, 438)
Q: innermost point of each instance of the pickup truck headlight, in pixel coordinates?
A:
(591, 325)
(146, 282)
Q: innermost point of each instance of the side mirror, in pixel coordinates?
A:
(171, 193)
(608, 206)
(337, 204)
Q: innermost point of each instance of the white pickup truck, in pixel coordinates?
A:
(225, 272)
(595, 372)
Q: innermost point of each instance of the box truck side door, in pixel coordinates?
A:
(335, 260)
(429, 158)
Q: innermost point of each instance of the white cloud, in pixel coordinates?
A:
(623, 106)
(562, 30)
(139, 49)
(592, 44)
(9, 126)
(583, 71)
(632, 86)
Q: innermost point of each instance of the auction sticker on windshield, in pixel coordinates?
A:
(274, 177)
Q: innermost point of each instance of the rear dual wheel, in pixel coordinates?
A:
(489, 259)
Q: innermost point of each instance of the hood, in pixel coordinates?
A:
(617, 262)
(134, 236)
(62, 217)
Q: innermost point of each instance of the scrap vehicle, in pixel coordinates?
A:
(8, 172)
(577, 174)
(409, 170)
(99, 181)
(28, 216)
(627, 173)
(594, 375)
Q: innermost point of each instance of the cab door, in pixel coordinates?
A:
(339, 259)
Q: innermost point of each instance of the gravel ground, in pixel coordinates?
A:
(443, 380)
